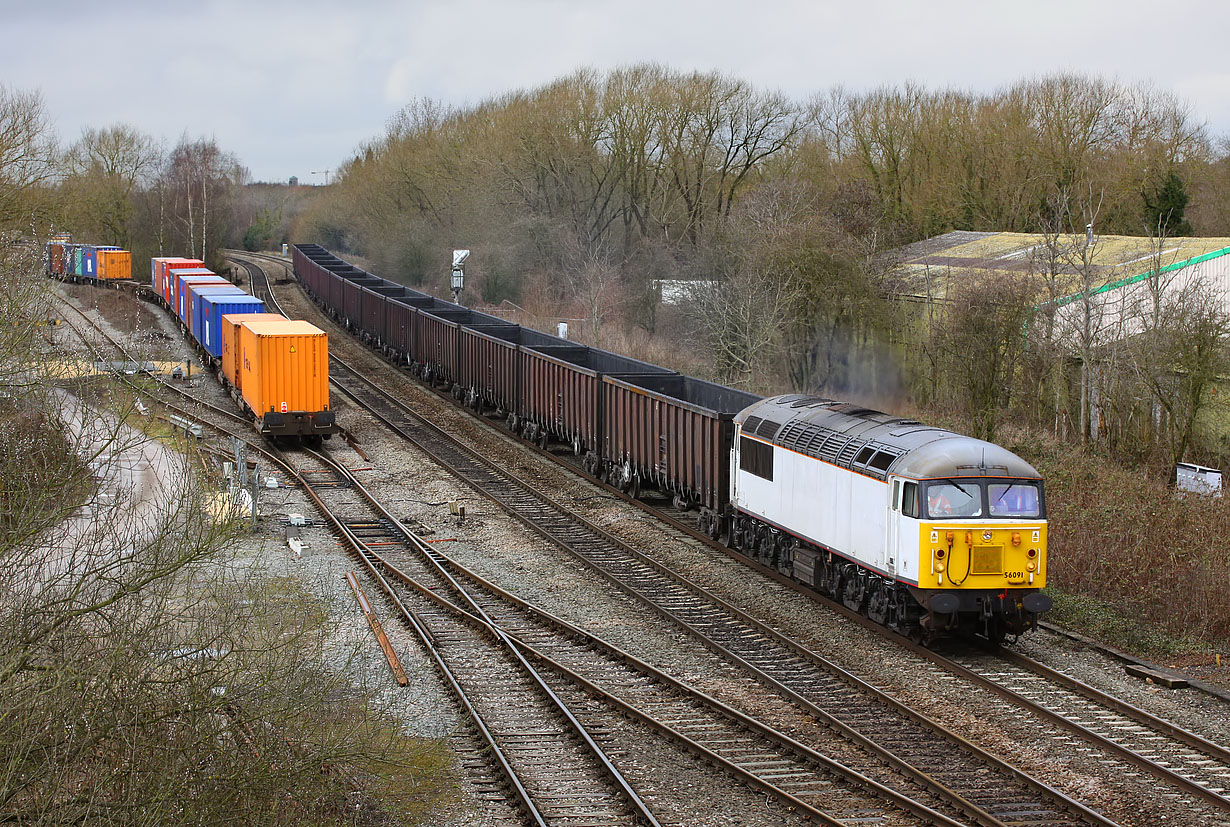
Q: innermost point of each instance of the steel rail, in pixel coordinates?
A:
(371, 557)
(442, 563)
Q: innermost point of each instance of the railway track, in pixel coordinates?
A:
(743, 747)
(1183, 759)
(985, 788)
(549, 755)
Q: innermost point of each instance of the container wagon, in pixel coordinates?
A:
(284, 378)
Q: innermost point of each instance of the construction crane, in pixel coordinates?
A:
(324, 172)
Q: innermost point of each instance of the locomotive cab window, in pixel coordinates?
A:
(909, 499)
(1015, 498)
(756, 458)
(954, 498)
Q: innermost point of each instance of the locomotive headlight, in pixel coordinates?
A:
(1031, 566)
(1033, 552)
(939, 554)
(940, 567)
(1016, 538)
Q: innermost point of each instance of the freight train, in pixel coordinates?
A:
(921, 529)
(275, 369)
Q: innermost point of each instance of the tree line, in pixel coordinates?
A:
(788, 217)
(116, 185)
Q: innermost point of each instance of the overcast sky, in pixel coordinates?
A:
(292, 87)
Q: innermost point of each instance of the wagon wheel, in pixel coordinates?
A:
(704, 524)
(764, 547)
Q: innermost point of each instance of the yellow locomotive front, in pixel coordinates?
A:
(982, 552)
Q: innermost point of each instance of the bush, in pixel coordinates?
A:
(1128, 557)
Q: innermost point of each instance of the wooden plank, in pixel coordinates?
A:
(377, 629)
(1170, 681)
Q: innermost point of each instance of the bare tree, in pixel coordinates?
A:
(594, 282)
(199, 177)
(981, 341)
(27, 157)
(739, 317)
(1177, 330)
(102, 172)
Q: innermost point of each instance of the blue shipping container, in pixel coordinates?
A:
(209, 312)
(192, 300)
(90, 260)
(195, 275)
(172, 277)
(189, 293)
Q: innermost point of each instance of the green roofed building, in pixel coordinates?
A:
(1111, 272)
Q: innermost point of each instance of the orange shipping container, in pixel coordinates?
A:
(284, 374)
(230, 340)
(114, 264)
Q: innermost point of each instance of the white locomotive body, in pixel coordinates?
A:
(918, 527)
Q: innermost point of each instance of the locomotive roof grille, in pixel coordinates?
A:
(871, 443)
(810, 402)
(846, 457)
(831, 448)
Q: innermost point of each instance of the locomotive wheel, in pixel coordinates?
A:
(878, 605)
(855, 592)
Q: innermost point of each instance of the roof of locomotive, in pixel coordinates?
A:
(875, 443)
